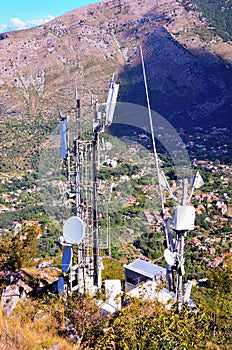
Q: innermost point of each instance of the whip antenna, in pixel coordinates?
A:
(152, 131)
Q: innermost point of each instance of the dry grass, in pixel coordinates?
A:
(19, 332)
(49, 274)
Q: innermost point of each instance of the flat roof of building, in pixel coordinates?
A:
(145, 268)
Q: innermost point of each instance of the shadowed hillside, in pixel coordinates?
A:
(188, 68)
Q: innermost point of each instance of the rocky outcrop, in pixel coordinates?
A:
(19, 285)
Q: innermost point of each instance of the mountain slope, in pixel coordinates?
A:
(188, 66)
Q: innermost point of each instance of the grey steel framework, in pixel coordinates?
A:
(80, 161)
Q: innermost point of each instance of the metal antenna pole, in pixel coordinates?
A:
(94, 210)
(152, 128)
(181, 235)
(109, 237)
(184, 192)
(154, 145)
(95, 137)
(167, 229)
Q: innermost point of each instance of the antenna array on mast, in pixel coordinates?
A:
(81, 232)
(183, 222)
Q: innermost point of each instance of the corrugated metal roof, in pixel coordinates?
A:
(145, 268)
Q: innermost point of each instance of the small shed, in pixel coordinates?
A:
(142, 271)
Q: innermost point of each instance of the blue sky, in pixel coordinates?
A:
(22, 14)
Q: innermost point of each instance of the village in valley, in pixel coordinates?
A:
(209, 243)
(116, 178)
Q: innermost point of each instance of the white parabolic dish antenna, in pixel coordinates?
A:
(74, 230)
(169, 257)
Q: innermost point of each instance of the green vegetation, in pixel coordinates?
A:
(218, 13)
(217, 302)
(17, 251)
(151, 244)
(113, 269)
(125, 169)
(76, 322)
(140, 324)
(22, 141)
(47, 244)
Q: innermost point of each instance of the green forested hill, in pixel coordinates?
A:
(218, 13)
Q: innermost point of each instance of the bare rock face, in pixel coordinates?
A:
(17, 287)
(188, 68)
(20, 284)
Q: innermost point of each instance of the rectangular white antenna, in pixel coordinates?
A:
(111, 101)
(187, 292)
(184, 218)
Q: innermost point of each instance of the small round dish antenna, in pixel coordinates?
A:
(60, 285)
(74, 230)
(67, 258)
(169, 257)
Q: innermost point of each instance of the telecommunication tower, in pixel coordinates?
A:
(81, 231)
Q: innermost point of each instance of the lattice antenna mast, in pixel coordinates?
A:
(78, 186)
(78, 150)
(77, 234)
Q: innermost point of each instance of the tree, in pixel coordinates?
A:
(113, 269)
(18, 251)
(217, 301)
(149, 325)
